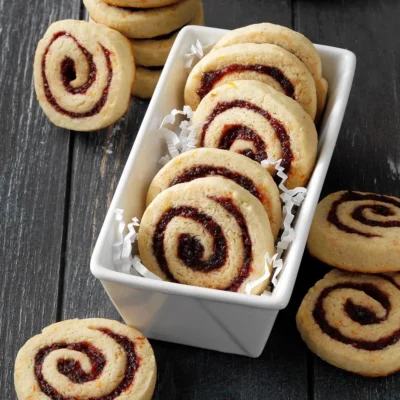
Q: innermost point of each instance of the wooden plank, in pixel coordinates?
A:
(232, 14)
(98, 161)
(184, 372)
(367, 154)
(33, 173)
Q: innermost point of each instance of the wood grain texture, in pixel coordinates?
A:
(367, 153)
(33, 171)
(56, 186)
(232, 14)
(97, 164)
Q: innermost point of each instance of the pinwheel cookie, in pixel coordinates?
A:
(200, 163)
(209, 232)
(143, 24)
(353, 322)
(86, 359)
(357, 231)
(267, 63)
(84, 74)
(154, 52)
(251, 118)
(292, 41)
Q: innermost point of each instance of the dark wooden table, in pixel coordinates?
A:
(56, 186)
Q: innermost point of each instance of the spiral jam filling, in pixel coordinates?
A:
(68, 74)
(358, 212)
(231, 133)
(360, 314)
(191, 250)
(73, 371)
(201, 171)
(209, 79)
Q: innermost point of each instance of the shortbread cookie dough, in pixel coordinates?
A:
(154, 52)
(292, 41)
(141, 3)
(143, 24)
(209, 232)
(86, 359)
(357, 231)
(352, 321)
(84, 74)
(251, 118)
(146, 82)
(266, 63)
(203, 162)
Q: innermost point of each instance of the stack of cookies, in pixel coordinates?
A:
(151, 26)
(214, 212)
(351, 318)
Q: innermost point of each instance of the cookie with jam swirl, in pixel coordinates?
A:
(253, 119)
(352, 321)
(84, 74)
(86, 359)
(203, 162)
(290, 40)
(209, 232)
(266, 63)
(357, 231)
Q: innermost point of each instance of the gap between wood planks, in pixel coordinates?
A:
(67, 203)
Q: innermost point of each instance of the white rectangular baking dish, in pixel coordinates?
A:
(212, 319)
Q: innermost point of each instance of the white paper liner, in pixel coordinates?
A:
(196, 52)
(180, 139)
(122, 248)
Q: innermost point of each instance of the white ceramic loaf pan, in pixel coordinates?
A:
(211, 319)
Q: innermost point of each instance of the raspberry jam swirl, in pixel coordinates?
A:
(191, 251)
(202, 171)
(209, 79)
(231, 133)
(374, 204)
(68, 74)
(361, 314)
(72, 369)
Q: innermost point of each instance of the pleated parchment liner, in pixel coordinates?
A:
(180, 139)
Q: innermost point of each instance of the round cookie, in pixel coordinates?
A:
(266, 63)
(290, 40)
(251, 118)
(84, 74)
(146, 82)
(357, 232)
(141, 3)
(203, 162)
(154, 52)
(143, 24)
(352, 322)
(88, 358)
(209, 232)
